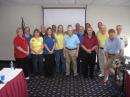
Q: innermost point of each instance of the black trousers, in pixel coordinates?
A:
(23, 63)
(89, 63)
(49, 65)
(30, 65)
(79, 61)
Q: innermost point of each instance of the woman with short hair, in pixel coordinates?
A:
(21, 52)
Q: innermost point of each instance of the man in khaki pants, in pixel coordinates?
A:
(71, 50)
(102, 37)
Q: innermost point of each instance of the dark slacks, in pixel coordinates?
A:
(23, 63)
(79, 61)
(49, 65)
(89, 63)
(37, 61)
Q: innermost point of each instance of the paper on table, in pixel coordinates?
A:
(9, 73)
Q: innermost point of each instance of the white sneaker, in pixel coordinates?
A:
(100, 75)
(27, 78)
(117, 77)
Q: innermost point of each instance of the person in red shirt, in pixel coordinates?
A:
(89, 45)
(21, 52)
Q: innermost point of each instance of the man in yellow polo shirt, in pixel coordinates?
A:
(102, 37)
(59, 45)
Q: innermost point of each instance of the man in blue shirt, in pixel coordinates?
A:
(112, 50)
(71, 50)
(80, 35)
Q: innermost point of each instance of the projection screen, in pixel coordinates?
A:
(64, 17)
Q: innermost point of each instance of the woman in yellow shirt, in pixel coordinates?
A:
(59, 45)
(36, 45)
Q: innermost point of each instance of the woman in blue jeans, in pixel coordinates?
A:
(36, 45)
(59, 45)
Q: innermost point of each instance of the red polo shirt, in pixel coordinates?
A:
(89, 43)
(21, 42)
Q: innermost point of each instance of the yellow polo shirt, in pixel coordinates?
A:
(36, 44)
(59, 44)
(101, 39)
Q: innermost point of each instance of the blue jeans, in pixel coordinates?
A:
(37, 61)
(60, 61)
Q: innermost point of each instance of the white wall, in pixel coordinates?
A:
(10, 19)
(110, 16)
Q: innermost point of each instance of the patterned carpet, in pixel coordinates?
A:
(62, 86)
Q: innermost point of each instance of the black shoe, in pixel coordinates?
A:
(85, 76)
(91, 77)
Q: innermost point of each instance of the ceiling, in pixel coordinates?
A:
(67, 3)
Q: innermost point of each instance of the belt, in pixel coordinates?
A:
(101, 47)
(111, 54)
(71, 49)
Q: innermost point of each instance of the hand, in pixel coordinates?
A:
(51, 52)
(64, 55)
(89, 51)
(76, 55)
(27, 53)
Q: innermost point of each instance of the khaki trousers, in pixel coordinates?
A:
(71, 62)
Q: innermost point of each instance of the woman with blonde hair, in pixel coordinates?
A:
(59, 45)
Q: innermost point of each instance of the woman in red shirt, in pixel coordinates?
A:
(89, 45)
(21, 52)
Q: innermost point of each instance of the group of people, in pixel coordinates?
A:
(72, 51)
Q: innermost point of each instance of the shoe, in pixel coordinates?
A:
(36, 77)
(42, 77)
(117, 78)
(101, 75)
(76, 74)
(27, 78)
(67, 74)
(92, 77)
(104, 82)
(85, 76)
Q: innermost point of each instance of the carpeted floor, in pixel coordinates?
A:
(62, 86)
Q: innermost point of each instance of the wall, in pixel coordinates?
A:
(10, 19)
(110, 16)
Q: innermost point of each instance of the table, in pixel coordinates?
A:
(127, 83)
(14, 83)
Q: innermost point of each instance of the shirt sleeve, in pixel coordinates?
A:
(31, 40)
(106, 46)
(44, 40)
(65, 39)
(77, 39)
(120, 44)
(83, 42)
(96, 41)
(16, 42)
(54, 40)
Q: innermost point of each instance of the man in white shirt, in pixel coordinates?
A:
(123, 37)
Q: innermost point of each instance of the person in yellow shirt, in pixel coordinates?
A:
(59, 45)
(36, 45)
(102, 37)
